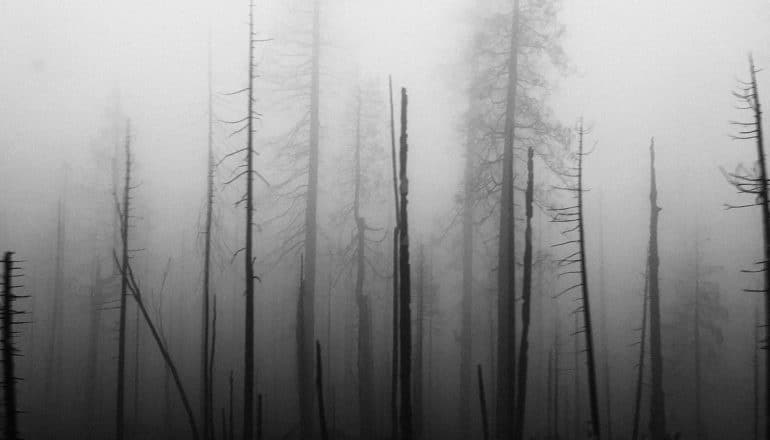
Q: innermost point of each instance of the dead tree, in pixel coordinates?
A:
(755, 364)
(320, 391)
(205, 376)
(755, 183)
(526, 289)
(657, 404)
(483, 404)
(405, 314)
(418, 337)
(124, 210)
(506, 269)
(56, 332)
(574, 217)
(640, 365)
(394, 327)
(9, 314)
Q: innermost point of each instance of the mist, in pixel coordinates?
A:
(314, 219)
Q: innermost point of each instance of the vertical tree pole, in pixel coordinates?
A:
(125, 210)
(483, 404)
(657, 405)
(405, 316)
(248, 371)
(10, 429)
(506, 304)
(640, 366)
(590, 353)
(521, 398)
(208, 412)
(394, 328)
(320, 391)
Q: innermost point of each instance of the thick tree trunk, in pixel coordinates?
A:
(657, 405)
(588, 327)
(526, 294)
(506, 295)
(405, 314)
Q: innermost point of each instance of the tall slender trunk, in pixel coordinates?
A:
(765, 204)
(697, 343)
(657, 405)
(405, 314)
(320, 392)
(642, 347)
(526, 294)
(418, 350)
(230, 412)
(483, 405)
(755, 364)
(556, 415)
(586, 304)
(119, 415)
(506, 295)
(577, 419)
(365, 361)
(466, 313)
(308, 317)
(395, 308)
(248, 351)
(207, 410)
(603, 325)
(54, 357)
(96, 301)
(9, 352)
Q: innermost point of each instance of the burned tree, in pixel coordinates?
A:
(754, 182)
(405, 314)
(9, 351)
(657, 403)
(574, 216)
(642, 356)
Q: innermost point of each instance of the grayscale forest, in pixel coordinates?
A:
(403, 220)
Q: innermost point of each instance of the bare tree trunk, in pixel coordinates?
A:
(248, 351)
(755, 364)
(603, 325)
(365, 361)
(405, 315)
(657, 406)
(506, 270)
(526, 293)
(230, 415)
(126, 207)
(207, 410)
(466, 314)
(308, 317)
(556, 415)
(394, 329)
(642, 347)
(55, 340)
(586, 304)
(210, 368)
(483, 404)
(320, 391)
(577, 419)
(697, 346)
(92, 366)
(418, 350)
(10, 429)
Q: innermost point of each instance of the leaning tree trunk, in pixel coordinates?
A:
(365, 362)
(657, 405)
(526, 295)
(506, 294)
(405, 314)
(586, 304)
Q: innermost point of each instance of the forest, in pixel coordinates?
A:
(403, 220)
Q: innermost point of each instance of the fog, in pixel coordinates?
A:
(82, 80)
